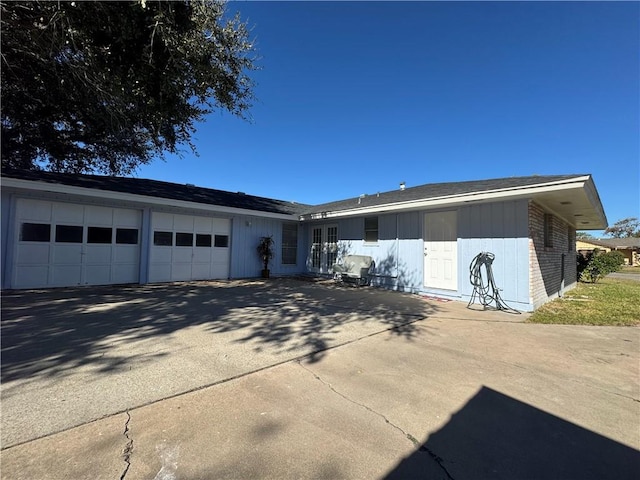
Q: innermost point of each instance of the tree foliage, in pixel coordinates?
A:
(627, 227)
(107, 86)
(584, 236)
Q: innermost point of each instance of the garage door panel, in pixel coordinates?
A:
(68, 213)
(33, 254)
(101, 216)
(181, 271)
(126, 218)
(182, 255)
(160, 254)
(162, 221)
(219, 255)
(66, 254)
(201, 271)
(124, 273)
(99, 274)
(203, 224)
(202, 255)
(66, 275)
(34, 210)
(160, 272)
(183, 223)
(221, 225)
(126, 254)
(33, 276)
(219, 271)
(99, 254)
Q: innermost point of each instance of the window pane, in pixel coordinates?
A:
(184, 239)
(371, 229)
(127, 236)
(35, 232)
(548, 230)
(316, 248)
(164, 239)
(289, 243)
(99, 235)
(203, 240)
(221, 241)
(68, 234)
(371, 223)
(289, 256)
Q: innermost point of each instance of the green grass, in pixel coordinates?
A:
(608, 302)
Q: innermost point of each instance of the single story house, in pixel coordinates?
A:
(66, 229)
(629, 247)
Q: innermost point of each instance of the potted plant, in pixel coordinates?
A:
(265, 251)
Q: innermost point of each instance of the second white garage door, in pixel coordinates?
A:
(188, 247)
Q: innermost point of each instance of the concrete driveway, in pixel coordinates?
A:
(306, 380)
(70, 356)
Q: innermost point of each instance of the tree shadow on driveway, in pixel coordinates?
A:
(50, 332)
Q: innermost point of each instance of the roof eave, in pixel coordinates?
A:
(512, 193)
(578, 205)
(59, 188)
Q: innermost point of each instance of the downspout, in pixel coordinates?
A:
(10, 243)
(397, 246)
(562, 267)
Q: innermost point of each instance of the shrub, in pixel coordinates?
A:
(582, 261)
(599, 265)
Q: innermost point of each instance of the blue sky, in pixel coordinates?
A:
(355, 97)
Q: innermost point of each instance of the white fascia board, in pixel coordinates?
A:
(594, 198)
(141, 199)
(454, 200)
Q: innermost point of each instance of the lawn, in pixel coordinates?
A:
(609, 302)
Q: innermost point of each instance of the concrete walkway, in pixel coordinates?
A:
(625, 276)
(400, 387)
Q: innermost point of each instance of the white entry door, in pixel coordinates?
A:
(324, 248)
(441, 250)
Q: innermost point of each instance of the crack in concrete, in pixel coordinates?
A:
(605, 390)
(128, 448)
(421, 448)
(436, 458)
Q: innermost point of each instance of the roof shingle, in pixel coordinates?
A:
(166, 190)
(207, 196)
(435, 190)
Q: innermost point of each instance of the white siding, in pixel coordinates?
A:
(502, 229)
(246, 234)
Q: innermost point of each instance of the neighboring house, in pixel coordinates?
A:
(629, 247)
(60, 230)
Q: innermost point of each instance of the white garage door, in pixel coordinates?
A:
(64, 244)
(187, 247)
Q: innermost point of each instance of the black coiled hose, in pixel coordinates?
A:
(485, 290)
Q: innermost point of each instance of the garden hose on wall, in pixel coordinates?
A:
(485, 290)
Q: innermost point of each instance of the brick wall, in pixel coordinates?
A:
(546, 261)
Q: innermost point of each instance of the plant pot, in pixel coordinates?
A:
(265, 273)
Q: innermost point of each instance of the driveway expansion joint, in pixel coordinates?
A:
(421, 448)
(128, 448)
